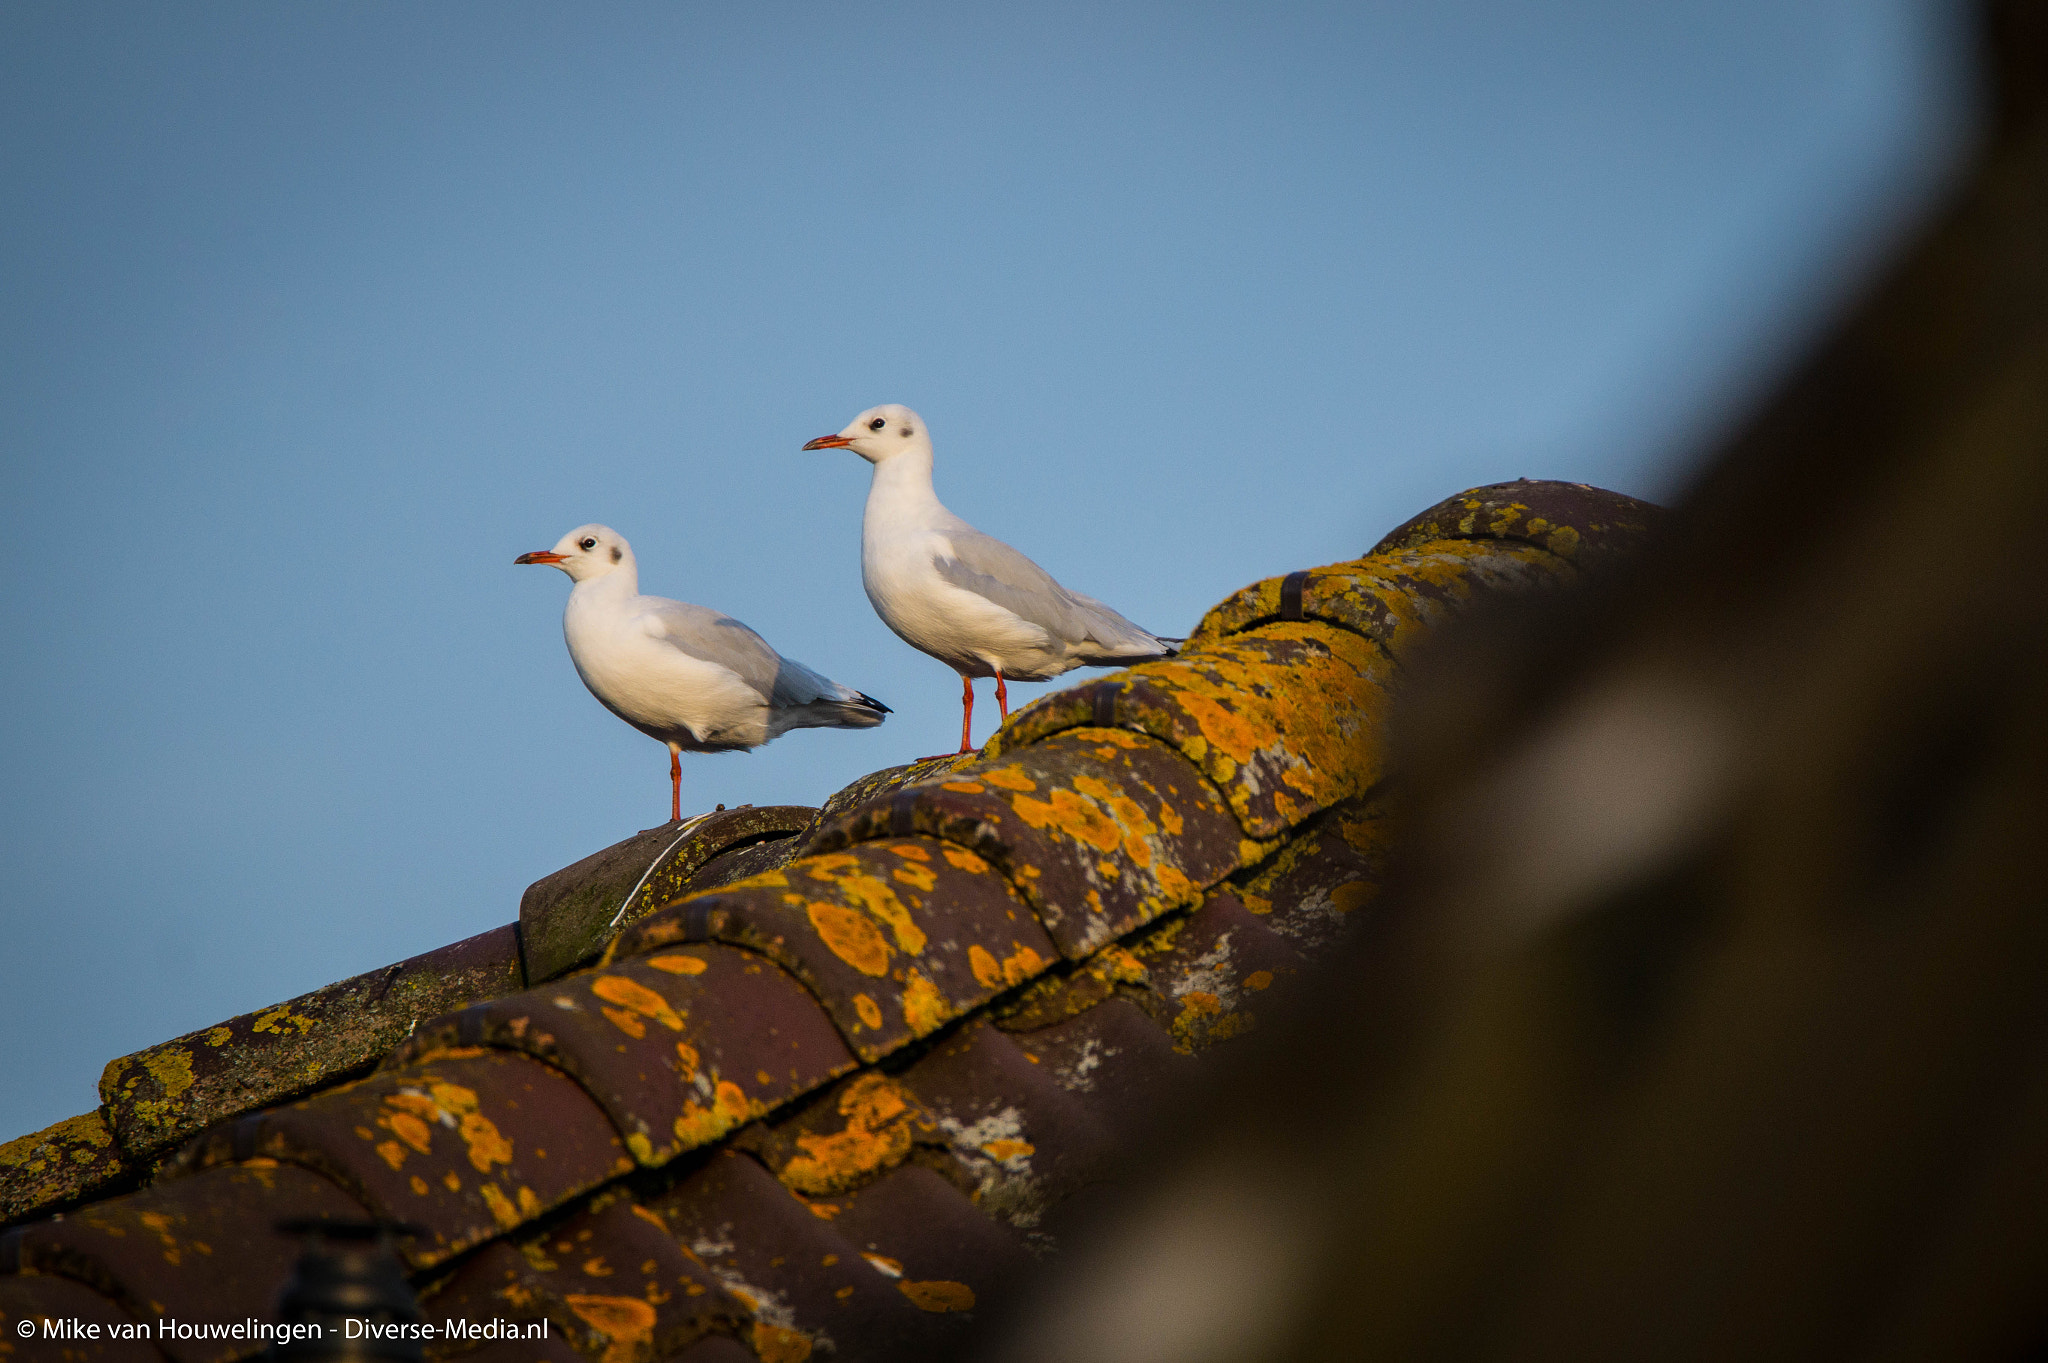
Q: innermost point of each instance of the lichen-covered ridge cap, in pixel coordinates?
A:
(566, 918)
(169, 1092)
(1573, 520)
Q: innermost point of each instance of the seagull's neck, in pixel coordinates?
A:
(620, 584)
(901, 494)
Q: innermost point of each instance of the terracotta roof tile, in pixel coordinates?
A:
(466, 1144)
(1572, 520)
(895, 938)
(612, 1281)
(677, 1047)
(201, 1249)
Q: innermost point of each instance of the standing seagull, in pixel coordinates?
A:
(966, 598)
(684, 674)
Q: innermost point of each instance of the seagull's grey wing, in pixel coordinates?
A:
(715, 637)
(989, 568)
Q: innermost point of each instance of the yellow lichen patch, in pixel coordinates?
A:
(1200, 1003)
(924, 1008)
(1116, 963)
(870, 1011)
(627, 1323)
(486, 1145)
(409, 1129)
(686, 1061)
(938, 1295)
(626, 1021)
(1071, 814)
(1008, 1149)
(851, 937)
(1170, 819)
(502, 1210)
(872, 893)
(171, 1067)
(640, 1147)
(987, 970)
(910, 851)
(916, 877)
(964, 787)
(281, 1020)
(1563, 541)
(1009, 778)
(876, 1137)
(730, 1107)
(1021, 964)
(1259, 979)
(629, 993)
(779, 1343)
(962, 859)
(680, 963)
(218, 1036)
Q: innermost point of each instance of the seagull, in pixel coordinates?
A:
(694, 678)
(966, 598)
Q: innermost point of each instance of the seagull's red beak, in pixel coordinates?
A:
(541, 556)
(829, 442)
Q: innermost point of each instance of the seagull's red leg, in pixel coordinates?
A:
(966, 711)
(675, 781)
(1002, 695)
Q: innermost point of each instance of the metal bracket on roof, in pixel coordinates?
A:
(1290, 594)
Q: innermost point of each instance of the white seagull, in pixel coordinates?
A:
(966, 598)
(694, 678)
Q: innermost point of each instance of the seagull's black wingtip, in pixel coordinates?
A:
(873, 704)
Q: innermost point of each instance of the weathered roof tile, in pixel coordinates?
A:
(465, 1143)
(566, 918)
(1572, 520)
(202, 1250)
(1100, 830)
(894, 938)
(678, 1047)
(62, 1164)
(610, 1280)
(157, 1097)
(39, 1299)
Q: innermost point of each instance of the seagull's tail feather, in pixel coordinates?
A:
(1151, 649)
(862, 712)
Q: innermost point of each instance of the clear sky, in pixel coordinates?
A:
(313, 316)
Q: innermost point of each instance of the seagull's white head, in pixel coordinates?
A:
(586, 552)
(880, 433)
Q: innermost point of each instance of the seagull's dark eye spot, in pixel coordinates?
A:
(906, 430)
(588, 542)
(616, 555)
(877, 424)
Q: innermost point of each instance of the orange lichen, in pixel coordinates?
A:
(651, 1218)
(851, 937)
(625, 1322)
(917, 877)
(1351, 895)
(630, 993)
(962, 859)
(870, 1011)
(877, 1136)
(452, 1181)
(909, 851)
(1022, 964)
(938, 1295)
(730, 1107)
(626, 1021)
(419, 1186)
(964, 787)
(502, 1210)
(686, 1061)
(1071, 814)
(1258, 979)
(391, 1152)
(987, 970)
(1008, 1149)
(871, 892)
(681, 963)
(409, 1129)
(1009, 778)
(925, 1009)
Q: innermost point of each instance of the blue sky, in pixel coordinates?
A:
(313, 316)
